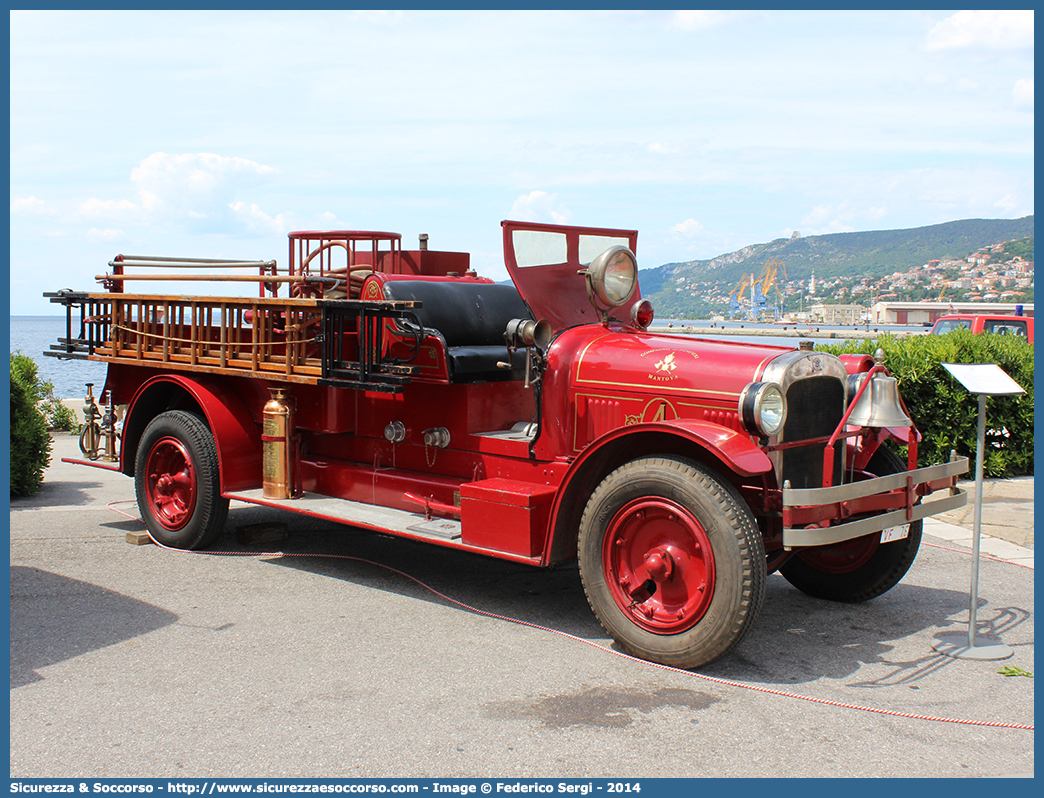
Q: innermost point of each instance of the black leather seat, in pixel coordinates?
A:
(470, 318)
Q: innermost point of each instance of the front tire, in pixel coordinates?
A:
(860, 569)
(672, 561)
(178, 483)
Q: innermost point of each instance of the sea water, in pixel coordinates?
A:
(32, 335)
(789, 335)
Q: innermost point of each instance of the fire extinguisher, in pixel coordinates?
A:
(277, 462)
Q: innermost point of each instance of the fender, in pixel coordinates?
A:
(733, 450)
(856, 364)
(235, 433)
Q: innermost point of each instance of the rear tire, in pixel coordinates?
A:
(178, 483)
(860, 569)
(672, 562)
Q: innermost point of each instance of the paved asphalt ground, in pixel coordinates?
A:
(135, 661)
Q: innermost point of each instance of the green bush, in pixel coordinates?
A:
(30, 443)
(41, 393)
(59, 417)
(946, 414)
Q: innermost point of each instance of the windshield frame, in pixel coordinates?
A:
(545, 274)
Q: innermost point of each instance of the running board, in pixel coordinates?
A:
(368, 516)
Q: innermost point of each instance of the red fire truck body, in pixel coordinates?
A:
(539, 422)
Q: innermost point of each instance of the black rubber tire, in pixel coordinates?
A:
(736, 545)
(886, 566)
(200, 524)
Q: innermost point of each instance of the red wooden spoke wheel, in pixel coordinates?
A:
(659, 565)
(177, 480)
(170, 482)
(672, 561)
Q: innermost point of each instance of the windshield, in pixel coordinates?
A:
(1005, 327)
(543, 260)
(944, 326)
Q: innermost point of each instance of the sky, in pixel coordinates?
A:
(214, 134)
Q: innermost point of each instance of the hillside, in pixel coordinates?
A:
(682, 289)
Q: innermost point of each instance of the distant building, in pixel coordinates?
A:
(838, 314)
(927, 312)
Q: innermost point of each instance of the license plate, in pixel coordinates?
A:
(894, 533)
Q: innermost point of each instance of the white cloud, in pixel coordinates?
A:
(994, 30)
(382, 17)
(828, 218)
(702, 20)
(659, 148)
(201, 187)
(1022, 94)
(96, 236)
(254, 219)
(108, 209)
(539, 206)
(688, 229)
(31, 205)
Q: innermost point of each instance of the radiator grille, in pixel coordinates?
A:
(815, 406)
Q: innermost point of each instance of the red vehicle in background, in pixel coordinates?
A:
(537, 422)
(1000, 324)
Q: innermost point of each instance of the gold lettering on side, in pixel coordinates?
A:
(664, 369)
(655, 410)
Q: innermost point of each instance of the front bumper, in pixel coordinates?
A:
(816, 516)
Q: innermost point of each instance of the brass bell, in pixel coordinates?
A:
(879, 405)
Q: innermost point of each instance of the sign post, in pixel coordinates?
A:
(983, 379)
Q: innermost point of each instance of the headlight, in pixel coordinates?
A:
(762, 408)
(613, 276)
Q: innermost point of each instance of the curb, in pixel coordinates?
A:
(993, 547)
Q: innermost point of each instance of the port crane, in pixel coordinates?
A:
(736, 301)
(760, 289)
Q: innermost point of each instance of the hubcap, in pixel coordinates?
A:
(170, 480)
(659, 565)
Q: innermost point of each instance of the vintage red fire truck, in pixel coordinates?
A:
(398, 391)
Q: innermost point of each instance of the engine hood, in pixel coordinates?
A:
(671, 364)
(600, 378)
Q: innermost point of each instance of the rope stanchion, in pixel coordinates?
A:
(591, 643)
